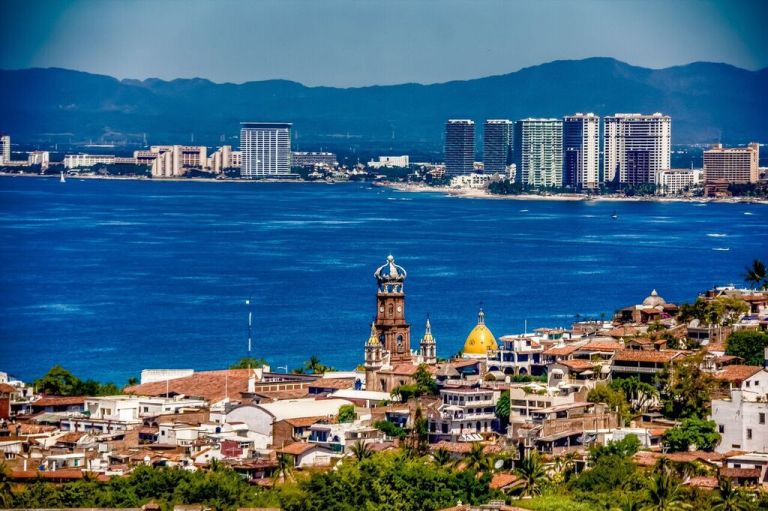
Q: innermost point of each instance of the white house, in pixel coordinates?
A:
(742, 418)
(261, 417)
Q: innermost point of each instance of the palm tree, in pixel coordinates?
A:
(664, 494)
(756, 275)
(361, 450)
(531, 471)
(475, 458)
(441, 457)
(728, 498)
(284, 468)
(6, 494)
(314, 365)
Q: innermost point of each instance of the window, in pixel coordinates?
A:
(721, 428)
(749, 434)
(761, 418)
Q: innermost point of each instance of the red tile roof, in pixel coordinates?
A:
(65, 473)
(561, 350)
(703, 482)
(500, 481)
(7, 389)
(298, 448)
(740, 473)
(577, 364)
(213, 386)
(59, 401)
(737, 373)
(602, 346)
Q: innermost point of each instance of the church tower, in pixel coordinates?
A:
(394, 333)
(428, 346)
(373, 359)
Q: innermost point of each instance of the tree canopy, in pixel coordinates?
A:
(749, 345)
(60, 382)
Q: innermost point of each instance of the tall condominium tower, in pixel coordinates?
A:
(538, 152)
(497, 145)
(581, 150)
(5, 148)
(636, 146)
(459, 147)
(266, 149)
(732, 165)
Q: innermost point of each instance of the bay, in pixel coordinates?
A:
(108, 277)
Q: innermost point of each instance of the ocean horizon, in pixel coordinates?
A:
(109, 277)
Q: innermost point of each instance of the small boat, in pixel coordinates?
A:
(61, 178)
(614, 215)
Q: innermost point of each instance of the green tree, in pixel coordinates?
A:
(624, 448)
(532, 473)
(475, 458)
(58, 382)
(728, 498)
(314, 366)
(604, 393)
(347, 413)
(664, 494)
(749, 345)
(6, 495)
(692, 432)
(390, 429)
(637, 393)
(756, 275)
(685, 389)
(502, 411)
(284, 469)
(248, 363)
(361, 450)
(441, 457)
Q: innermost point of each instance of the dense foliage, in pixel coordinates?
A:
(248, 363)
(423, 385)
(701, 434)
(749, 345)
(685, 388)
(60, 382)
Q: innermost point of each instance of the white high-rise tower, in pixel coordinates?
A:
(636, 147)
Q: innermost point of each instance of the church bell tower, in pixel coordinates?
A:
(394, 333)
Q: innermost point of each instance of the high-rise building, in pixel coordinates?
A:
(636, 147)
(497, 145)
(538, 152)
(5, 148)
(581, 151)
(266, 149)
(459, 147)
(732, 165)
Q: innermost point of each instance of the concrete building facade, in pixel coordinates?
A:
(538, 152)
(581, 151)
(459, 147)
(497, 145)
(737, 165)
(266, 149)
(635, 147)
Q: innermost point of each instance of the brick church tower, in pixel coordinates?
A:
(394, 332)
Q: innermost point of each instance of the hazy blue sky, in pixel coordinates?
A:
(348, 43)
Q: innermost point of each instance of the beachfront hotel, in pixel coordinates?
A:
(459, 147)
(636, 146)
(497, 145)
(539, 152)
(581, 150)
(266, 149)
(732, 165)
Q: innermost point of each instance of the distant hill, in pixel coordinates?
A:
(707, 102)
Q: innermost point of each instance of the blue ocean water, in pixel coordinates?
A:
(110, 277)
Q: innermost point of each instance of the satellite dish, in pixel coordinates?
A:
(498, 464)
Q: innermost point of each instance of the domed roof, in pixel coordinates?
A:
(428, 338)
(480, 339)
(373, 340)
(390, 272)
(654, 300)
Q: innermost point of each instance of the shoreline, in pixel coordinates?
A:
(461, 193)
(464, 193)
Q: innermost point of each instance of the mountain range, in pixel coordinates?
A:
(708, 102)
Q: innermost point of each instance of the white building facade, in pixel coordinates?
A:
(266, 150)
(636, 146)
(678, 181)
(742, 420)
(538, 152)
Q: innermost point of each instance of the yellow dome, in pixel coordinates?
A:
(480, 339)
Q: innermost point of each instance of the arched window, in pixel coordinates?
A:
(400, 341)
(391, 311)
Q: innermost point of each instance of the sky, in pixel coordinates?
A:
(353, 43)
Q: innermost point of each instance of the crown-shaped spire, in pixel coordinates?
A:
(373, 340)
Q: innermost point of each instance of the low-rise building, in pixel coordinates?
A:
(742, 418)
(678, 181)
(464, 415)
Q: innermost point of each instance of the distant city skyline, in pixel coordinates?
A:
(344, 43)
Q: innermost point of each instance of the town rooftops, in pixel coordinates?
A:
(659, 357)
(213, 386)
(298, 448)
(577, 365)
(737, 373)
(561, 350)
(602, 346)
(332, 383)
